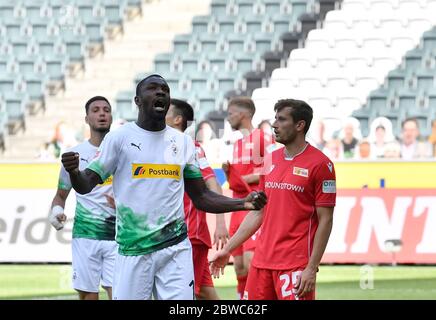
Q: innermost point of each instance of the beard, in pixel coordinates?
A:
(102, 129)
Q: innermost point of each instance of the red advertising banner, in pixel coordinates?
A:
(366, 218)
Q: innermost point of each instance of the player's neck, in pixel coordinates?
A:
(295, 148)
(96, 138)
(246, 129)
(151, 124)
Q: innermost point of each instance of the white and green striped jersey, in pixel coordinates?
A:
(93, 219)
(148, 171)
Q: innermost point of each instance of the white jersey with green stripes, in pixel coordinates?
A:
(148, 171)
(93, 219)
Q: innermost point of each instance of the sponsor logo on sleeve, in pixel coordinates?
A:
(330, 166)
(329, 186)
(156, 171)
(301, 172)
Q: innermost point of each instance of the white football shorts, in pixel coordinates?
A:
(167, 274)
(93, 263)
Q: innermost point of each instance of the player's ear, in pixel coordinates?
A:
(178, 120)
(86, 119)
(137, 101)
(301, 125)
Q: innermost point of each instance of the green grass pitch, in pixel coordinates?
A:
(333, 282)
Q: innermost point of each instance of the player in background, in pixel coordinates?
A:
(179, 113)
(243, 176)
(93, 245)
(152, 164)
(297, 220)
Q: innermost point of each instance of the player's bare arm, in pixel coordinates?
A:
(248, 227)
(82, 181)
(221, 233)
(57, 216)
(209, 201)
(251, 178)
(308, 277)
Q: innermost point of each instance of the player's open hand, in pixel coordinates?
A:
(255, 201)
(70, 161)
(219, 262)
(220, 236)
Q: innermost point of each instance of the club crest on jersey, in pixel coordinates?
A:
(301, 172)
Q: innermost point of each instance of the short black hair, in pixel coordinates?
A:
(96, 98)
(140, 83)
(300, 110)
(183, 109)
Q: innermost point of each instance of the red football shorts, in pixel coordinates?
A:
(202, 275)
(266, 284)
(235, 221)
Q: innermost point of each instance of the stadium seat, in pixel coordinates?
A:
(126, 108)
(298, 7)
(253, 24)
(424, 79)
(217, 62)
(200, 24)
(114, 10)
(283, 22)
(413, 59)
(227, 24)
(219, 7)
(208, 42)
(163, 62)
(406, 99)
(244, 7)
(396, 80)
(429, 39)
(182, 43)
(192, 62)
(271, 6)
(235, 42)
(15, 108)
(7, 9)
(264, 42)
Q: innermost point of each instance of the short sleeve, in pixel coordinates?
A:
(64, 182)
(325, 185)
(105, 160)
(192, 168)
(206, 171)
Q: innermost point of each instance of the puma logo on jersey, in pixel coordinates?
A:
(136, 145)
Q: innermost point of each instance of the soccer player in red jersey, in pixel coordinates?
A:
(178, 115)
(243, 176)
(297, 220)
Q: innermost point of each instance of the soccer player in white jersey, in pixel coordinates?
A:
(152, 164)
(93, 246)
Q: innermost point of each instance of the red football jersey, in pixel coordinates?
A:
(198, 231)
(294, 187)
(248, 157)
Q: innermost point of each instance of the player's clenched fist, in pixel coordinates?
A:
(255, 200)
(70, 161)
